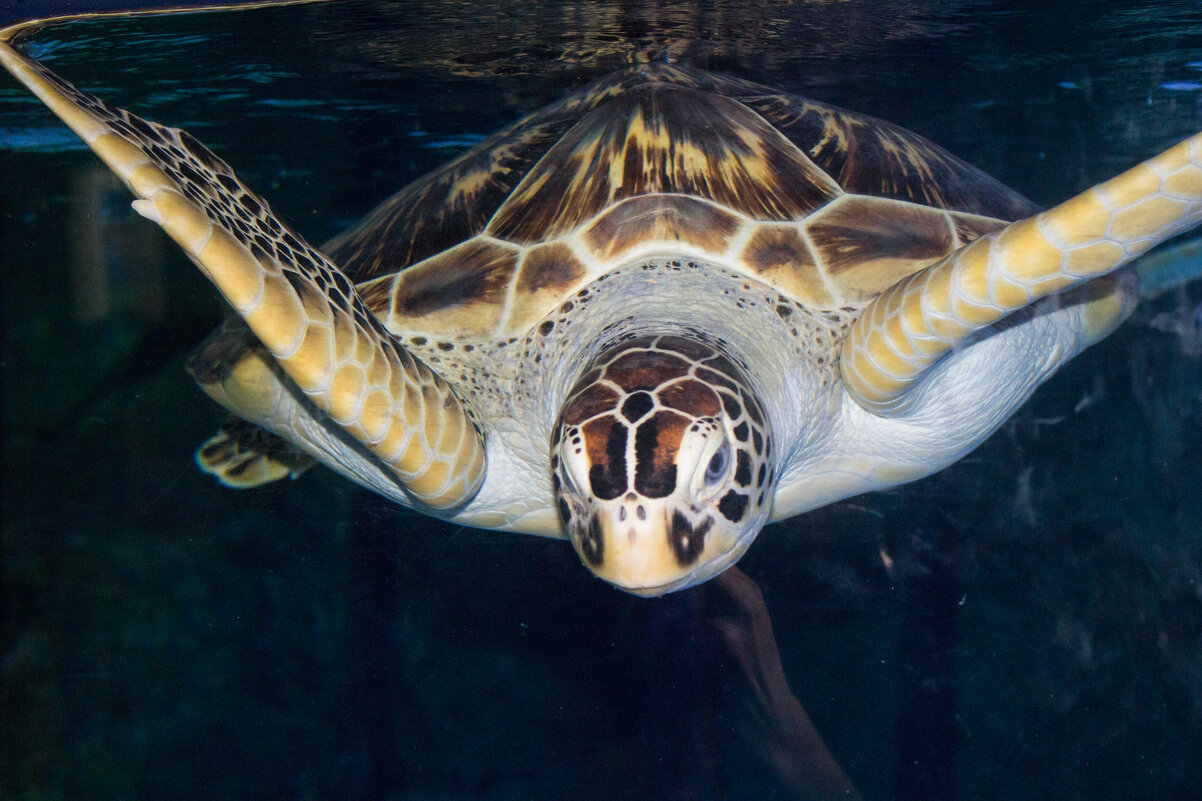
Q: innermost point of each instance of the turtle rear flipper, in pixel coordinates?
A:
(242, 455)
(233, 368)
(298, 304)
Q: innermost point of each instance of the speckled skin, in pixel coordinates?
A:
(520, 387)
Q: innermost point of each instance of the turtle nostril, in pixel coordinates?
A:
(641, 512)
(622, 513)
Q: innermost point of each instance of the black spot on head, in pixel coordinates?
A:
(733, 410)
(546, 328)
(565, 513)
(753, 411)
(759, 479)
(733, 506)
(687, 542)
(608, 480)
(592, 545)
(757, 440)
(649, 480)
(743, 470)
(636, 406)
(741, 432)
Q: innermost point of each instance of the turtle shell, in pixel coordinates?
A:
(827, 206)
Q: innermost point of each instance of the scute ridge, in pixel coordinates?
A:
(656, 139)
(870, 156)
(661, 157)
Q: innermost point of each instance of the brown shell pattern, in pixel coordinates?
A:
(827, 206)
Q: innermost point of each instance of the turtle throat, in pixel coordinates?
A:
(662, 464)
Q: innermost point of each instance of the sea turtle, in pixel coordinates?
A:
(652, 317)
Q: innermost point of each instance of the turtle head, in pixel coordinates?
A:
(662, 464)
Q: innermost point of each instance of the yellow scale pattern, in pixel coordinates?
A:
(301, 306)
(909, 327)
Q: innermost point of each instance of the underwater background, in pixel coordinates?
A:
(1026, 624)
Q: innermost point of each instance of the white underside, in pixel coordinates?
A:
(962, 400)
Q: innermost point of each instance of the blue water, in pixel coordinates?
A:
(1026, 624)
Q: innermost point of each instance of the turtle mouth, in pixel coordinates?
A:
(701, 573)
(659, 590)
(682, 583)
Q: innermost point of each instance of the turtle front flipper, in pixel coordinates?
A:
(297, 303)
(908, 328)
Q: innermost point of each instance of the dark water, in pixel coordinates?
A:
(1027, 624)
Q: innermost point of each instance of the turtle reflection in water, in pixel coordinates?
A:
(652, 317)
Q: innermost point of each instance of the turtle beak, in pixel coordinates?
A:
(648, 548)
(633, 559)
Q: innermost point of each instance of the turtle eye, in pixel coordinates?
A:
(716, 469)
